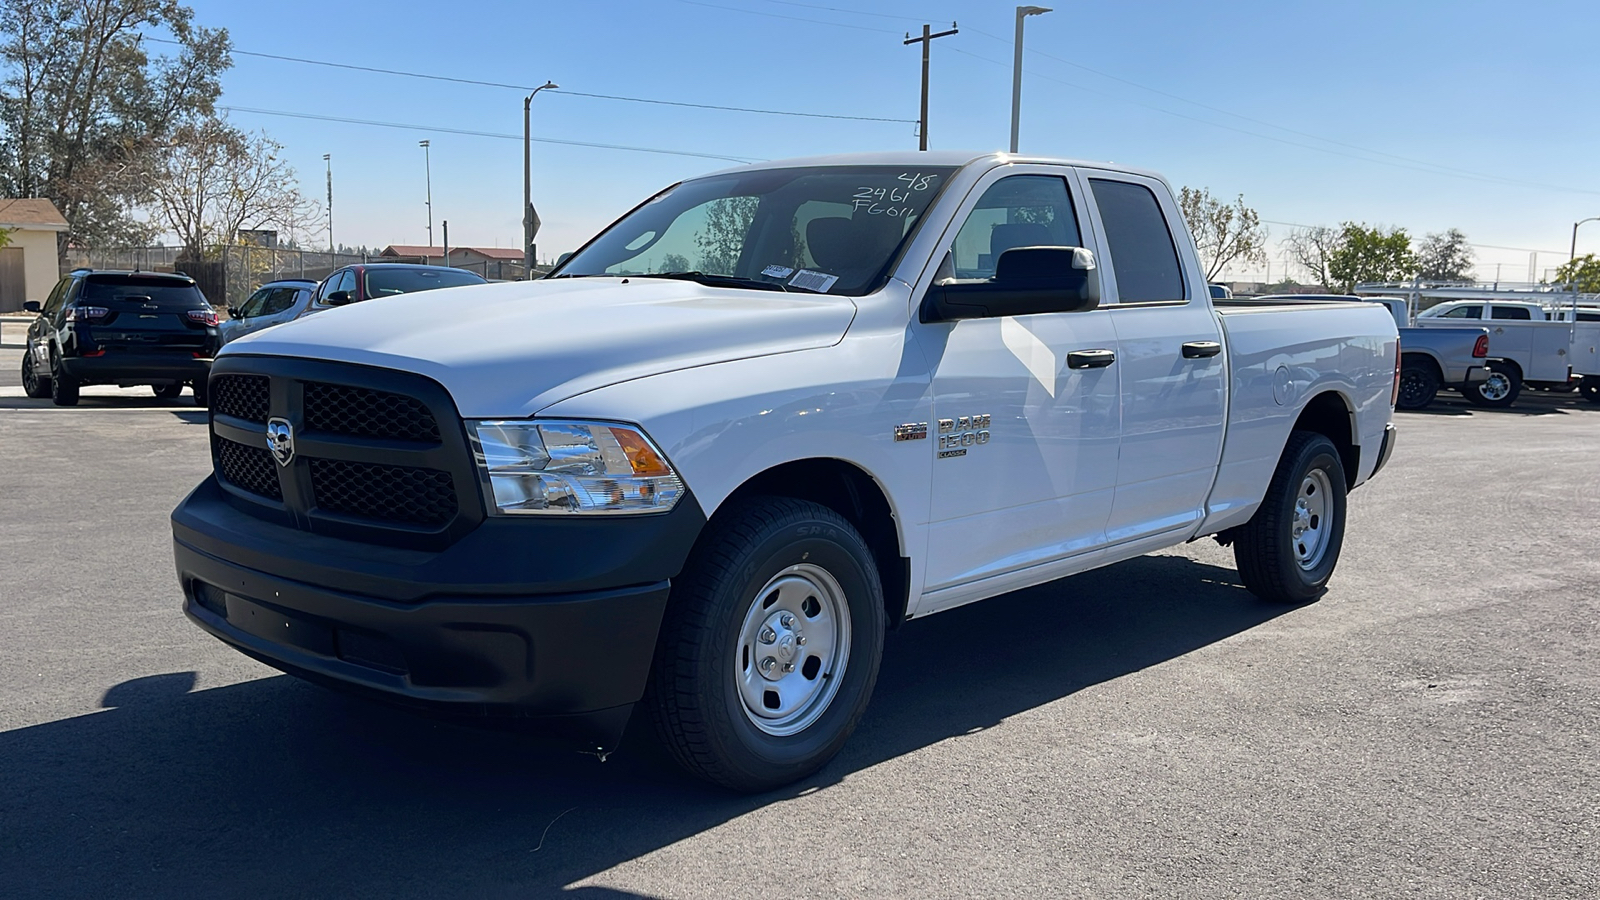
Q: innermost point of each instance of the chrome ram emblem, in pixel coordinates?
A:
(280, 440)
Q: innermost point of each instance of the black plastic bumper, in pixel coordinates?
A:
(1386, 448)
(133, 366)
(515, 620)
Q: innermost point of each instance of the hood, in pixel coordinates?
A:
(512, 349)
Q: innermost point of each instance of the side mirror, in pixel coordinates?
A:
(562, 259)
(337, 298)
(1027, 280)
(233, 313)
(31, 306)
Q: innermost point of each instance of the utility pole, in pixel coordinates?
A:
(1016, 72)
(328, 158)
(427, 162)
(446, 260)
(926, 40)
(530, 219)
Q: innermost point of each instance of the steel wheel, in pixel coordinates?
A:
(792, 651)
(1311, 523)
(1495, 388)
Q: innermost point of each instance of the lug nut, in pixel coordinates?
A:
(788, 667)
(801, 640)
(767, 636)
(786, 620)
(767, 665)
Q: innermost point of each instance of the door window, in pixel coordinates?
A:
(1462, 312)
(53, 302)
(1143, 255)
(1512, 312)
(279, 300)
(252, 306)
(1017, 211)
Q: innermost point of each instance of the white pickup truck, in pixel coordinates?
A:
(766, 416)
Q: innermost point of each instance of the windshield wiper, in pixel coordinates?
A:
(719, 280)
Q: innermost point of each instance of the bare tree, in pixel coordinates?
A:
(1312, 248)
(1223, 232)
(214, 180)
(1445, 257)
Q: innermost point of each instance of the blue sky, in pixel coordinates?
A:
(1316, 112)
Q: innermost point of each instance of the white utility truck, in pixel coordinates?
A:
(1530, 343)
(766, 416)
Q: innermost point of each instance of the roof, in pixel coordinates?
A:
(34, 214)
(508, 253)
(932, 158)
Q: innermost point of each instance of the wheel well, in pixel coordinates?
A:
(852, 493)
(1329, 415)
(1508, 366)
(1422, 359)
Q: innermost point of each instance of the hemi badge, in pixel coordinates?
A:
(912, 431)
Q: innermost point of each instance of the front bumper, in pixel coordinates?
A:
(124, 365)
(514, 620)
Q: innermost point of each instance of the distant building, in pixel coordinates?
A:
(29, 265)
(493, 263)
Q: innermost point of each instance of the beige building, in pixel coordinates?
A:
(28, 263)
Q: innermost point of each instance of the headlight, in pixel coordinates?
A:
(573, 467)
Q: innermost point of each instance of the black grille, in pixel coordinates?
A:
(248, 468)
(383, 493)
(338, 409)
(240, 396)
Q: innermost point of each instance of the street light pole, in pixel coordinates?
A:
(328, 158)
(1016, 72)
(1573, 253)
(527, 181)
(427, 164)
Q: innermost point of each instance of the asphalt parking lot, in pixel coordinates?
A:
(1428, 729)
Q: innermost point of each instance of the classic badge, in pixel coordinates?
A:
(280, 440)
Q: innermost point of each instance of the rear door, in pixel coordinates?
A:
(1170, 353)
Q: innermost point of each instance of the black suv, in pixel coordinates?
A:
(122, 328)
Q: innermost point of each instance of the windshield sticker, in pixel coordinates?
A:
(777, 271)
(813, 281)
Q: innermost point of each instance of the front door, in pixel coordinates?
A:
(1025, 446)
(1171, 355)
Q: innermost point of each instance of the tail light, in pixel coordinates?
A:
(1394, 392)
(202, 316)
(1481, 348)
(89, 313)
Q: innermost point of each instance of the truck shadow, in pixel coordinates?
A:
(181, 409)
(276, 788)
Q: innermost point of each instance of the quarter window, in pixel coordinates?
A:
(1142, 252)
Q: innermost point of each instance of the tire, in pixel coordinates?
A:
(1590, 388)
(1306, 497)
(167, 391)
(63, 387)
(33, 384)
(1419, 383)
(202, 394)
(1499, 391)
(787, 575)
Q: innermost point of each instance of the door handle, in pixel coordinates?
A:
(1090, 359)
(1201, 349)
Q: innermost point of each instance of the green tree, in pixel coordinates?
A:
(1445, 257)
(722, 240)
(5, 237)
(85, 109)
(1370, 254)
(1582, 273)
(675, 262)
(1223, 232)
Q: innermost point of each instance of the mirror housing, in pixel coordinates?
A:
(1027, 280)
(337, 298)
(233, 313)
(32, 306)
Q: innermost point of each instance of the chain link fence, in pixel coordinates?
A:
(236, 272)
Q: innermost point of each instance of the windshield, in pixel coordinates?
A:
(832, 229)
(383, 282)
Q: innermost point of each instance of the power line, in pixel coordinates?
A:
(1490, 179)
(441, 129)
(853, 12)
(526, 88)
(1305, 134)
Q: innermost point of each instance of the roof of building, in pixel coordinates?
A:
(506, 253)
(34, 214)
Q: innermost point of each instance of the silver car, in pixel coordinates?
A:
(273, 303)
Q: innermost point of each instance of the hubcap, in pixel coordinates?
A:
(792, 649)
(1496, 387)
(1310, 525)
